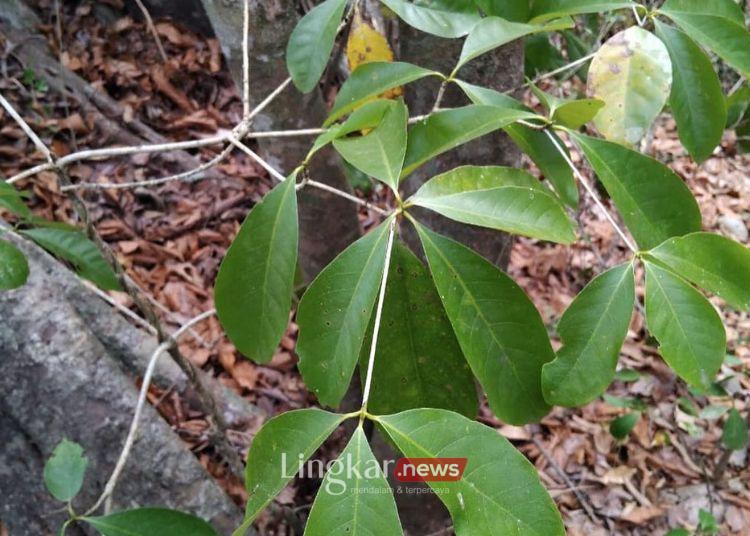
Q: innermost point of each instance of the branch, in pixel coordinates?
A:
(152, 29)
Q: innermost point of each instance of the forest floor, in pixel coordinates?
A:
(172, 238)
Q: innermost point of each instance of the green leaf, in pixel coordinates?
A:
(576, 113)
(64, 470)
(678, 532)
(75, 247)
(12, 200)
(627, 375)
(621, 427)
(707, 523)
(150, 521)
(577, 50)
(444, 130)
(311, 42)
(499, 492)
(552, 9)
(501, 198)
(419, 363)
(654, 202)
(713, 411)
(499, 329)
(713, 262)
(592, 329)
(444, 18)
(493, 32)
(368, 116)
(334, 313)
(380, 153)
(278, 448)
(354, 497)
(625, 402)
(737, 105)
(540, 55)
(254, 287)
(533, 142)
(718, 25)
(14, 269)
(734, 435)
(689, 330)
(632, 74)
(515, 10)
(370, 80)
(697, 99)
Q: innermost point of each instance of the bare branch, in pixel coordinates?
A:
(152, 29)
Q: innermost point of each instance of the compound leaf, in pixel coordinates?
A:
(254, 286)
(592, 329)
(499, 329)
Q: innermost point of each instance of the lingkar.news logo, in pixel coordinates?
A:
(344, 469)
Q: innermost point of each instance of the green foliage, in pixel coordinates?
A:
(499, 198)
(352, 503)
(14, 269)
(734, 435)
(499, 493)
(689, 330)
(334, 313)
(12, 201)
(419, 362)
(654, 202)
(444, 18)
(379, 153)
(513, 10)
(64, 470)
(621, 427)
(697, 100)
(73, 246)
(550, 9)
(370, 80)
(447, 129)
(540, 55)
(150, 521)
(254, 286)
(499, 329)
(718, 25)
(277, 449)
(713, 262)
(311, 42)
(593, 329)
(632, 74)
(707, 523)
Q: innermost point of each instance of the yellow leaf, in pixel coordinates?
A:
(366, 44)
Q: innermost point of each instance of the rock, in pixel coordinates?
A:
(735, 227)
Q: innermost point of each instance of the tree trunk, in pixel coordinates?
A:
(327, 223)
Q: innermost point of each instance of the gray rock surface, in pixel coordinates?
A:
(65, 358)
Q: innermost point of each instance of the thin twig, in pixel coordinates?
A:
(593, 194)
(124, 310)
(550, 74)
(246, 61)
(252, 154)
(152, 29)
(345, 195)
(378, 315)
(109, 487)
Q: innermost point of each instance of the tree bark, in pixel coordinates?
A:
(327, 223)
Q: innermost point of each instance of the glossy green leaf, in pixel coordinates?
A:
(149, 522)
(354, 497)
(533, 142)
(500, 491)
(576, 113)
(621, 427)
(697, 99)
(514, 10)
(734, 435)
(689, 330)
(419, 363)
(64, 470)
(632, 74)
(368, 116)
(254, 286)
(12, 200)
(592, 329)
(379, 153)
(499, 329)
(14, 269)
(738, 104)
(278, 448)
(444, 18)
(654, 202)
(311, 42)
(501, 198)
(73, 246)
(713, 262)
(552, 9)
(718, 25)
(493, 32)
(447, 129)
(334, 313)
(370, 80)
